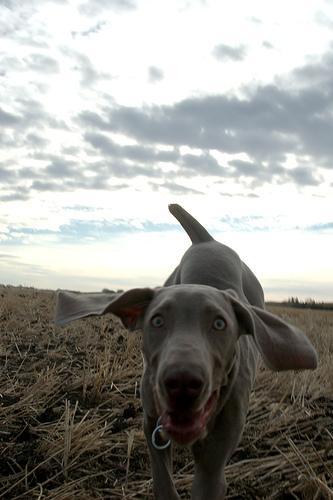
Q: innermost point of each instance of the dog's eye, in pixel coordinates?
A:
(157, 321)
(219, 324)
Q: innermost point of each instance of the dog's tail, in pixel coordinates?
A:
(194, 229)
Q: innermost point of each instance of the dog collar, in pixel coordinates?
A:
(158, 431)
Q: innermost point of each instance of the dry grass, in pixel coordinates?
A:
(71, 417)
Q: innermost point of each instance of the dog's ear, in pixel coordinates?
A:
(129, 306)
(282, 346)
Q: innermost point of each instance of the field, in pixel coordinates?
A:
(71, 417)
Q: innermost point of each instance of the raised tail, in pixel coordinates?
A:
(194, 229)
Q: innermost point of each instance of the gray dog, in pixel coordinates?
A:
(202, 336)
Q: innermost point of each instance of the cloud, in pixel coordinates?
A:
(327, 226)
(18, 271)
(184, 164)
(11, 4)
(95, 28)
(109, 148)
(8, 257)
(35, 140)
(303, 176)
(28, 113)
(48, 186)
(247, 168)
(317, 71)
(224, 52)
(174, 188)
(324, 20)
(15, 24)
(8, 119)
(102, 178)
(241, 194)
(61, 174)
(83, 65)
(77, 231)
(42, 63)
(6, 174)
(254, 20)
(267, 124)
(60, 168)
(20, 194)
(263, 125)
(202, 164)
(88, 72)
(267, 45)
(124, 170)
(155, 74)
(95, 7)
(246, 223)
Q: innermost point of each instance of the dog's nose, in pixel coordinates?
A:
(183, 387)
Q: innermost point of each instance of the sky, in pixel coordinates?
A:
(112, 109)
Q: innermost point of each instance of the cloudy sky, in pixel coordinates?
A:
(111, 109)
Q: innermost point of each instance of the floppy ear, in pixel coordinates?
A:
(282, 346)
(129, 306)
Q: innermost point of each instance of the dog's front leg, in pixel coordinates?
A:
(161, 465)
(212, 454)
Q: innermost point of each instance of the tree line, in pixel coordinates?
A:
(304, 304)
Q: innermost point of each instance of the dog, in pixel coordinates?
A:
(203, 334)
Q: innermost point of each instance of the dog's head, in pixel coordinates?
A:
(190, 338)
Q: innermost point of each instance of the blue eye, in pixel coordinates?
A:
(157, 321)
(219, 324)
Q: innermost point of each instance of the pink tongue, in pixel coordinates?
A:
(183, 427)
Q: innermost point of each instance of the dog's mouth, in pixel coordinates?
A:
(185, 427)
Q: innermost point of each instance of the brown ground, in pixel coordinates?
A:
(71, 418)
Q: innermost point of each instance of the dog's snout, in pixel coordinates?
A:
(183, 386)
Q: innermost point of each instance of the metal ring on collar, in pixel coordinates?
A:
(158, 428)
